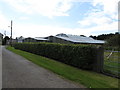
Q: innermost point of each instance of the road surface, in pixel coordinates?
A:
(21, 73)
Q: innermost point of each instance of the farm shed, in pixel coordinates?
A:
(37, 39)
(20, 39)
(74, 39)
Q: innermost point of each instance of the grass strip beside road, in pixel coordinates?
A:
(86, 78)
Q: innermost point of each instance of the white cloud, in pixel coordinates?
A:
(23, 18)
(48, 8)
(30, 30)
(95, 18)
(79, 0)
(102, 19)
(4, 23)
(110, 6)
(106, 27)
(99, 19)
(85, 22)
(3, 20)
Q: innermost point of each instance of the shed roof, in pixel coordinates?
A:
(41, 38)
(79, 39)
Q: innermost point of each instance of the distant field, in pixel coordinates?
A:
(112, 63)
(113, 57)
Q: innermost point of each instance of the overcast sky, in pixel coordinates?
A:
(39, 18)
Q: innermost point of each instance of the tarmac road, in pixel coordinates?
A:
(17, 72)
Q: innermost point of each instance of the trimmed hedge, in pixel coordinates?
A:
(81, 56)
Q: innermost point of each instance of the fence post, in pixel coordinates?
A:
(99, 61)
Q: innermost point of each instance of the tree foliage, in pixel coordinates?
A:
(114, 40)
(5, 39)
(104, 36)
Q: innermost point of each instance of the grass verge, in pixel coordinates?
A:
(86, 78)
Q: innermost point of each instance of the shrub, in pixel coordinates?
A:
(81, 56)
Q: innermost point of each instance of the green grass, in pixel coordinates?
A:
(86, 78)
(115, 59)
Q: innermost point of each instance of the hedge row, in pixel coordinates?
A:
(81, 56)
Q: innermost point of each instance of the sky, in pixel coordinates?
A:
(41, 18)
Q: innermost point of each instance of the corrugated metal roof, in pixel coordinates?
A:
(40, 38)
(79, 39)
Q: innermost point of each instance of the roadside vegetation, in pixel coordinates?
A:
(87, 78)
(77, 55)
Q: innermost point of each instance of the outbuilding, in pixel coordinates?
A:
(74, 39)
(36, 39)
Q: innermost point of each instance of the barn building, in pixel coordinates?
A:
(74, 39)
(37, 39)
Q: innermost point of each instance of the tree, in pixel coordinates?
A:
(104, 36)
(94, 37)
(83, 35)
(114, 40)
(5, 39)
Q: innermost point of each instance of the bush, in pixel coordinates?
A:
(114, 41)
(81, 56)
